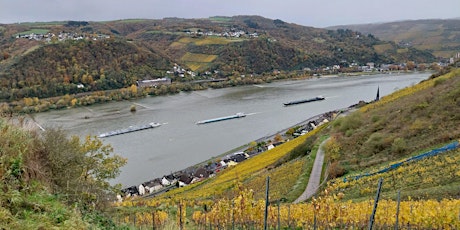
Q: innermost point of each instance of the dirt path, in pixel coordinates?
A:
(315, 175)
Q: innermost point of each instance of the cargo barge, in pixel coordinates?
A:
(129, 130)
(237, 115)
(318, 98)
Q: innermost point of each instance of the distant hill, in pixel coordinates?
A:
(442, 37)
(55, 58)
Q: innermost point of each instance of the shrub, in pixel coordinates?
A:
(335, 170)
(399, 146)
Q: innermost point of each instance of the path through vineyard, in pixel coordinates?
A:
(315, 175)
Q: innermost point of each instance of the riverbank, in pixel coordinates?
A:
(213, 166)
(181, 143)
(38, 105)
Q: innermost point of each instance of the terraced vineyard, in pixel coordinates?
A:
(333, 208)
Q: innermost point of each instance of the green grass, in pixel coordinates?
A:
(220, 19)
(133, 20)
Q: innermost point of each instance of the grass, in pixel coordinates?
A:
(220, 19)
(409, 121)
(433, 177)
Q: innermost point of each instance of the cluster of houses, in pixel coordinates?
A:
(183, 178)
(227, 34)
(196, 174)
(62, 36)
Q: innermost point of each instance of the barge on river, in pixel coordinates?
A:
(318, 98)
(129, 130)
(237, 115)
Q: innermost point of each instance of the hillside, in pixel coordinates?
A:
(35, 192)
(53, 59)
(411, 121)
(57, 69)
(441, 37)
(400, 125)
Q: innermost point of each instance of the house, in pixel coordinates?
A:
(223, 163)
(168, 180)
(185, 180)
(238, 158)
(131, 191)
(201, 173)
(141, 190)
(153, 185)
(271, 146)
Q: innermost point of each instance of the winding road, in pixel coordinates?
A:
(315, 175)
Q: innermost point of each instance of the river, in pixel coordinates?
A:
(180, 143)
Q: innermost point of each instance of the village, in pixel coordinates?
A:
(62, 36)
(211, 168)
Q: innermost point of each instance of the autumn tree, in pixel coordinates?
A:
(80, 169)
(332, 149)
(277, 138)
(410, 65)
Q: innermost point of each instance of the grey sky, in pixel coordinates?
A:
(304, 12)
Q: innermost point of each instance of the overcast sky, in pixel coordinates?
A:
(304, 12)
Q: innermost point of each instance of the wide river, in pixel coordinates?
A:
(180, 143)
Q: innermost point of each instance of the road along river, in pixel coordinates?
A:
(179, 142)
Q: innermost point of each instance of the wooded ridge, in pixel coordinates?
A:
(54, 59)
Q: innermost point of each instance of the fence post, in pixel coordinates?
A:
(376, 202)
(315, 221)
(180, 216)
(397, 210)
(279, 216)
(289, 216)
(134, 219)
(266, 203)
(233, 215)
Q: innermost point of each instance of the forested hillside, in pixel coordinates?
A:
(442, 37)
(58, 69)
(53, 59)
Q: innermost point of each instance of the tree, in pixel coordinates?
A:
(80, 170)
(277, 138)
(332, 149)
(410, 65)
(133, 90)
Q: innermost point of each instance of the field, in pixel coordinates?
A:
(194, 57)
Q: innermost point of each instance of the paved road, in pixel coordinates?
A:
(315, 175)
